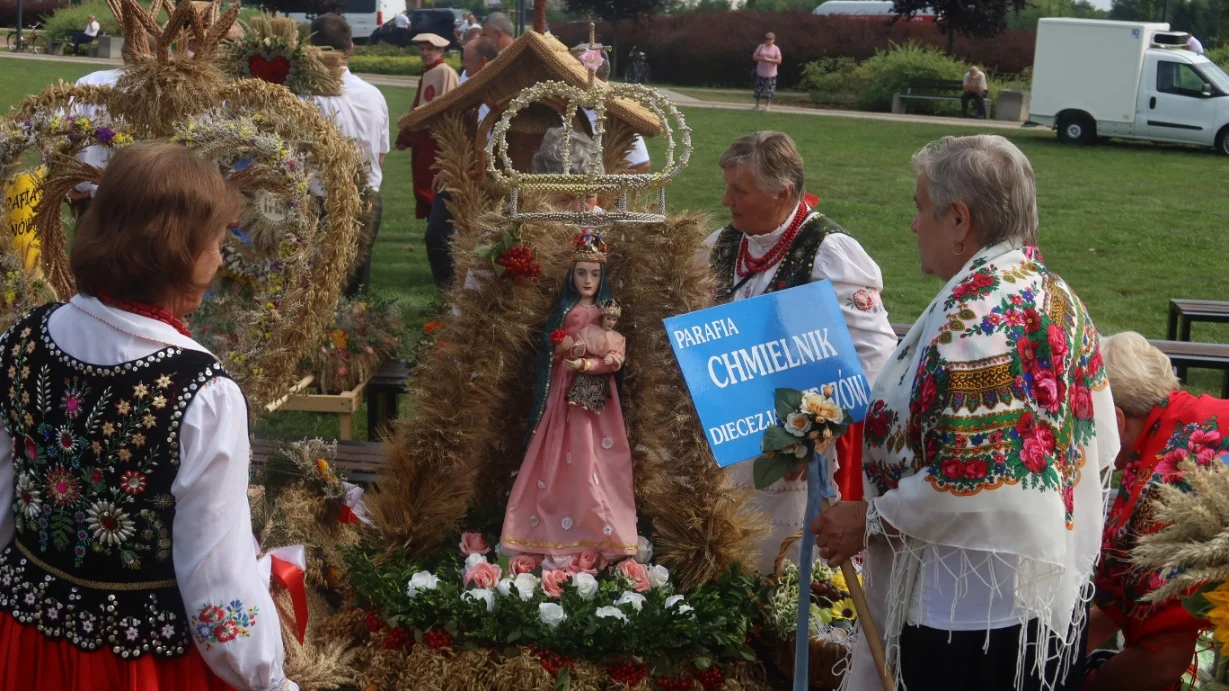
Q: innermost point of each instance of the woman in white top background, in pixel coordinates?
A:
(126, 551)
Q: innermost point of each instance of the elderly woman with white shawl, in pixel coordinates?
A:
(986, 439)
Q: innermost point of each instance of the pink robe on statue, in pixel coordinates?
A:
(574, 490)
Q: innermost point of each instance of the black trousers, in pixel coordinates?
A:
(361, 278)
(438, 240)
(978, 98)
(929, 662)
(81, 37)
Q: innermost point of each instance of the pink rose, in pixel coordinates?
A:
(522, 563)
(552, 582)
(588, 561)
(1048, 390)
(1045, 435)
(1081, 402)
(1057, 339)
(484, 575)
(1033, 455)
(929, 392)
(474, 543)
(637, 573)
(1069, 498)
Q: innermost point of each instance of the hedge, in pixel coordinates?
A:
(408, 65)
(714, 48)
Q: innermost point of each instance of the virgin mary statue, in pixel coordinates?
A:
(574, 490)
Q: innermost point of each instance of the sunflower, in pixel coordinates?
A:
(1218, 616)
(838, 582)
(843, 609)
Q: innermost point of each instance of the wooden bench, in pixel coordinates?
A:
(362, 460)
(1183, 354)
(923, 89)
(1183, 313)
(901, 330)
(385, 386)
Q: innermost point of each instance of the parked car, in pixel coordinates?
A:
(364, 16)
(1095, 78)
(442, 21)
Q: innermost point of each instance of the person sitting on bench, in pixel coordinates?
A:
(975, 90)
(92, 28)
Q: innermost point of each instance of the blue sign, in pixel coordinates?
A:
(734, 357)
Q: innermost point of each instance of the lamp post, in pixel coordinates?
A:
(20, 43)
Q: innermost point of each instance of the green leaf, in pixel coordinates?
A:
(563, 680)
(769, 470)
(499, 270)
(788, 401)
(746, 653)
(486, 251)
(1197, 604)
(451, 627)
(776, 438)
(514, 636)
(703, 663)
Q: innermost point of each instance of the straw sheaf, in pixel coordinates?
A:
(320, 662)
(531, 59)
(301, 517)
(1195, 538)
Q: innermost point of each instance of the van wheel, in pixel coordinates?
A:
(1077, 128)
(1222, 141)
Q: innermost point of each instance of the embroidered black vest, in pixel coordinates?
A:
(793, 270)
(95, 451)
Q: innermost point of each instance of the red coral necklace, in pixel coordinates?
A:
(145, 310)
(748, 265)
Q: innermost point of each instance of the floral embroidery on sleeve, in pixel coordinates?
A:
(215, 624)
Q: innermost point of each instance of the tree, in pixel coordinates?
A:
(980, 18)
(615, 10)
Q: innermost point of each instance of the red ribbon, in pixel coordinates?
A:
(290, 577)
(346, 515)
(810, 200)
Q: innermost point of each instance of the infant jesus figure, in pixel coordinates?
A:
(590, 391)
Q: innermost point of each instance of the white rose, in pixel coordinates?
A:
(481, 595)
(658, 576)
(526, 584)
(586, 585)
(636, 600)
(673, 600)
(473, 560)
(811, 401)
(801, 451)
(644, 550)
(611, 613)
(797, 424)
(684, 609)
(423, 580)
(551, 614)
(504, 587)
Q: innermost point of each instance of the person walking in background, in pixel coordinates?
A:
(767, 57)
(361, 113)
(975, 90)
(402, 22)
(437, 79)
(498, 28)
(92, 27)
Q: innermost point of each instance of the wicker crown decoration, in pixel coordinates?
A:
(595, 96)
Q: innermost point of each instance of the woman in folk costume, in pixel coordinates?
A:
(128, 558)
(1162, 427)
(574, 491)
(776, 241)
(986, 441)
(437, 79)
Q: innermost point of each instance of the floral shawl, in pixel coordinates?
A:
(987, 433)
(1181, 428)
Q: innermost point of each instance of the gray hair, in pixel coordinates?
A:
(603, 72)
(1140, 375)
(584, 158)
(990, 175)
(499, 20)
(774, 160)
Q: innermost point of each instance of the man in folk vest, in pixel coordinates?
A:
(776, 241)
(437, 79)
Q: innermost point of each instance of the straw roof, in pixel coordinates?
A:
(531, 59)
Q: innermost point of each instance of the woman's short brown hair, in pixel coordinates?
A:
(157, 209)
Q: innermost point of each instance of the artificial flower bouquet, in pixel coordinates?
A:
(364, 334)
(807, 423)
(625, 619)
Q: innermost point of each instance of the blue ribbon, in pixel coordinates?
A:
(818, 490)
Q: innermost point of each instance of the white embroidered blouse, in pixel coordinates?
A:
(212, 549)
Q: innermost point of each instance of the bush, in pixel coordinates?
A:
(889, 72)
(1220, 56)
(66, 21)
(833, 80)
(714, 48)
(408, 65)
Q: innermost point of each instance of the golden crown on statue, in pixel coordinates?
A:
(594, 96)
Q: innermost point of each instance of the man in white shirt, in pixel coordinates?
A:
(499, 29)
(361, 113)
(975, 89)
(92, 27)
(1193, 45)
(97, 156)
(402, 24)
(775, 241)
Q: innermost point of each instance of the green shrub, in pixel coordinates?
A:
(889, 72)
(66, 21)
(833, 80)
(1220, 56)
(384, 49)
(409, 65)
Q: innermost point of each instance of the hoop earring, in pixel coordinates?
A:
(955, 251)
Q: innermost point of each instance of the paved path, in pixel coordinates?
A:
(678, 98)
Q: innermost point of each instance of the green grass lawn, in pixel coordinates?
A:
(1128, 225)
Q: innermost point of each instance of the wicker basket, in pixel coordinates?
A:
(824, 655)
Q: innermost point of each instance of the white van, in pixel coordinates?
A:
(1094, 78)
(364, 16)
